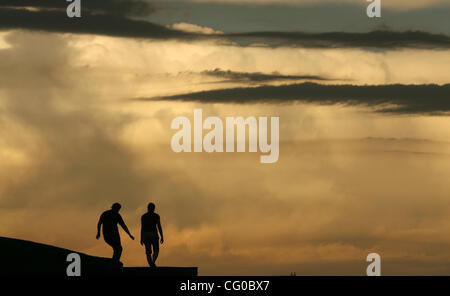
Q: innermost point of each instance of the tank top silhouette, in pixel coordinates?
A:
(149, 222)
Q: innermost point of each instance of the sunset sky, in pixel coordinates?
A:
(86, 106)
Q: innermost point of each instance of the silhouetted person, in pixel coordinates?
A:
(110, 219)
(151, 224)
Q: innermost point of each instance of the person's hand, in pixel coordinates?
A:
(98, 236)
(162, 240)
(132, 237)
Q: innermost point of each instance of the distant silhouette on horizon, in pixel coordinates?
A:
(150, 225)
(109, 219)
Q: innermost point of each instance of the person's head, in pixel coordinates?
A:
(151, 207)
(116, 207)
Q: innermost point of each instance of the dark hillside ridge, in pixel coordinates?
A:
(20, 257)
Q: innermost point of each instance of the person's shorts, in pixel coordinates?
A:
(112, 239)
(150, 239)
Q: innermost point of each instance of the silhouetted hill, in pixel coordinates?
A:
(20, 257)
(25, 257)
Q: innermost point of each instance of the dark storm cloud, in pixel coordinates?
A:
(375, 39)
(233, 76)
(117, 7)
(313, 16)
(99, 24)
(111, 19)
(408, 99)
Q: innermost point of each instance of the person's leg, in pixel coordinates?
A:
(117, 252)
(155, 244)
(114, 242)
(109, 242)
(148, 252)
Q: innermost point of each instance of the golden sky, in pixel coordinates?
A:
(76, 136)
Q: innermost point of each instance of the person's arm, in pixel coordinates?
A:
(122, 223)
(99, 226)
(160, 230)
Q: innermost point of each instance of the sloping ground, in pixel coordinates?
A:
(20, 257)
(30, 258)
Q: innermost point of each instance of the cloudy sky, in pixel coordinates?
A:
(86, 106)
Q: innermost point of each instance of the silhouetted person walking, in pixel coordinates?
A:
(110, 219)
(151, 224)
